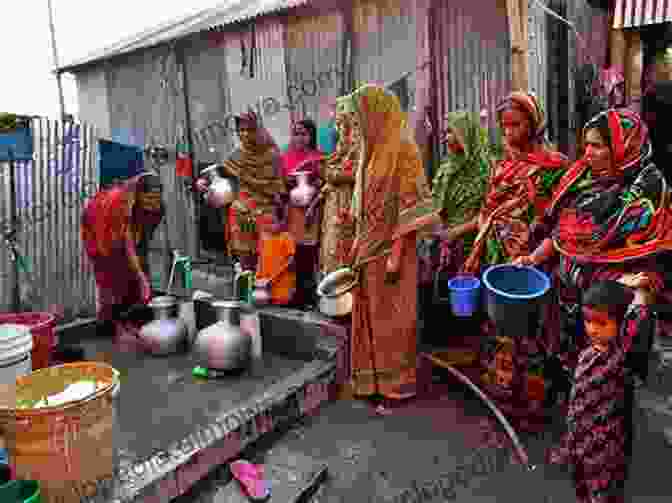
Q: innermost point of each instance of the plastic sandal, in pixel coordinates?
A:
(251, 479)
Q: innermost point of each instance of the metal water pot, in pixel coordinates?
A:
(167, 333)
(303, 193)
(221, 191)
(224, 346)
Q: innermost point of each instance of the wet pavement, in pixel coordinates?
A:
(445, 449)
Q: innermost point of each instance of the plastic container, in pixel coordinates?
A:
(20, 491)
(68, 448)
(465, 295)
(513, 297)
(16, 344)
(44, 338)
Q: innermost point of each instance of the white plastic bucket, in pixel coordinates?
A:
(16, 345)
(9, 372)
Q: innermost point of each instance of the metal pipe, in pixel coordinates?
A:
(518, 446)
(59, 82)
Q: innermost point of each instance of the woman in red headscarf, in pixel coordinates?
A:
(116, 227)
(612, 221)
(519, 189)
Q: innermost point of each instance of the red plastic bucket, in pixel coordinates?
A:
(44, 338)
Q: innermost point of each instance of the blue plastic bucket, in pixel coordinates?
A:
(465, 295)
(513, 296)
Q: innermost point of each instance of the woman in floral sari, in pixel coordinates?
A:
(611, 220)
(336, 194)
(257, 166)
(117, 226)
(519, 189)
(391, 202)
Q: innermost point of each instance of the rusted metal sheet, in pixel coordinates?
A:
(473, 56)
(385, 42)
(146, 96)
(636, 13)
(538, 51)
(50, 194)
(315, 69)
(255, 63)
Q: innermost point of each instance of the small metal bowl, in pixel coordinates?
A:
(336, 298)
(336, 307)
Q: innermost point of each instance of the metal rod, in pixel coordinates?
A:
(59, 82)
(518, 446)
(16, 290)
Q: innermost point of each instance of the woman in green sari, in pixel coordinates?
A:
(460, 184)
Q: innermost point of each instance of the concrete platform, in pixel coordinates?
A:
(172, 429)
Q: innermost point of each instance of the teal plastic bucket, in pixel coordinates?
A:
(20, 491)
(465, 295)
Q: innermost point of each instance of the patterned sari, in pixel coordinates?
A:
(610, 227)
(337, 172)
(391, 203)
(257, 167)
(117, 225)
(517, 196)
(598, 440)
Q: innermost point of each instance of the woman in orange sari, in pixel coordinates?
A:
(391, 202)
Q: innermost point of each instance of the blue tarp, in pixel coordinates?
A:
(118, 162)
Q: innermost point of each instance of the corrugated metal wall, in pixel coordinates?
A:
(314, 62)
(146, 96)
(538, 51)
(473, 55)
(264, 89)
(385, 42)
(50, 195)
(209, 100)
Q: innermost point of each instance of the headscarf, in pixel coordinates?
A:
(530, 104)
(390, 159)
(461, 181)
(520, 188)
(617, 219)
(114, 215)
(256, 164)
(346, 145)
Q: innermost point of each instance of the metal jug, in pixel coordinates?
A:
(224, 346)
(222, 191)
(303, 193)
(167, 333)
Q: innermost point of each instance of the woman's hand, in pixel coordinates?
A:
(637, 281)
(525, 260)
(145, 289)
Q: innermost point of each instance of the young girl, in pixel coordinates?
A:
(599, 437)
(276, 258)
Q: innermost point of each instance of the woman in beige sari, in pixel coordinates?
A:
(391, 202)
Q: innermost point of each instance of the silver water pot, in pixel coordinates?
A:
(224, 346)
(167, 333)
(303, 193)
(221, 191)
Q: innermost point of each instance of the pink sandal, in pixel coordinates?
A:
(251, 478)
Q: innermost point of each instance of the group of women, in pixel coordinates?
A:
(606, 216)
